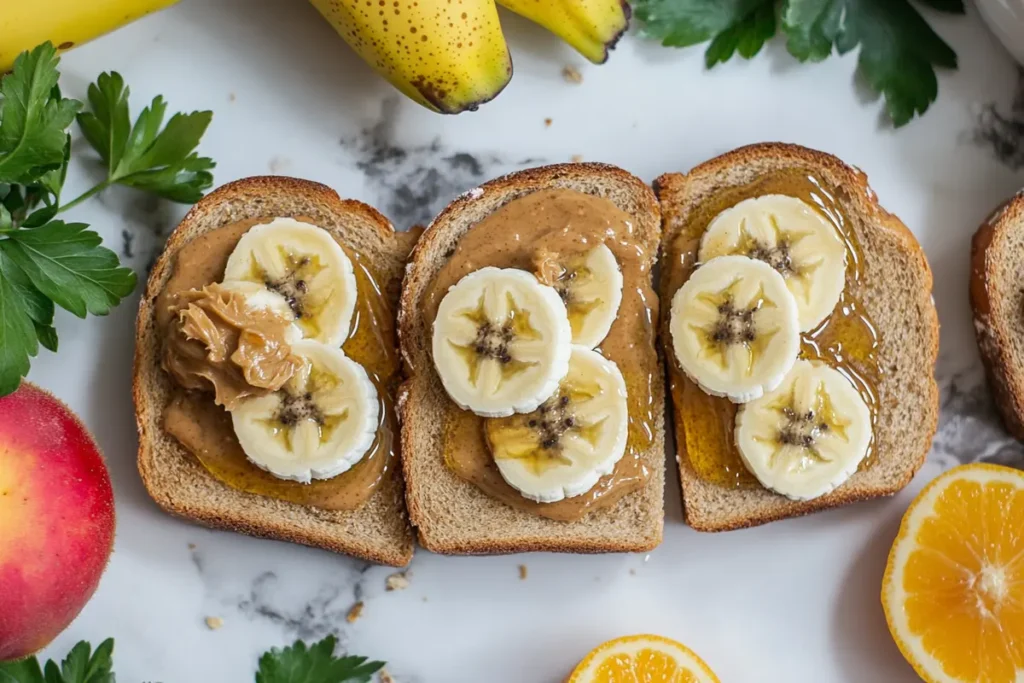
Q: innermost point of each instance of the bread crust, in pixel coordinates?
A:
(440, 498)
(711, 507)
(171, 475)
(996, 304)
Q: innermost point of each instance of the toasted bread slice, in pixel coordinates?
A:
(452, 515)
(895, 288)
(997, 298)
(379, 531)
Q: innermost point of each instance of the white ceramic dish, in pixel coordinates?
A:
(1006, 19)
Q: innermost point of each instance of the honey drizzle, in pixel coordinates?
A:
(371, 343)
(847, 340)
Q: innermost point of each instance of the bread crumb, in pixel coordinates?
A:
(191, 546)
(576, 158)
(385, 677)
(522, 572)
(231, 97)
(424, 598)
(214, 623)
(548, 122)
(572, 75)
(355, 612)
(397, 582)
(632, 572)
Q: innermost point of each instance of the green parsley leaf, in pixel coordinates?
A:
(65, 262)
(898, 49)
(315, 664)
(681, 23)
(33, 117)
(80, 666)
(24, 671)
(142, 155)
(18, 337)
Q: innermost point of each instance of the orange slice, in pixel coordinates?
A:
(953, 591)
(642, 659)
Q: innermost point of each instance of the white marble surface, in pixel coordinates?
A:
(795, 601)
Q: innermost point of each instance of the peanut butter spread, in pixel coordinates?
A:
(537, 233)
(216, 342)
(205, 429)
(846, 340)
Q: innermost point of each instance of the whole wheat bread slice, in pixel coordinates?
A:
(452, 515)
(379, 531)
(997, 298)
(896, 291)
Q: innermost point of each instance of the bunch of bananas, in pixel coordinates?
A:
(448, 55)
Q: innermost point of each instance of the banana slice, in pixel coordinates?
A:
(571, 440)
(734, 328)
(302, 265)
(501, 342)
(318, 425)
(808, 436)
(590, 284)
(793, 238)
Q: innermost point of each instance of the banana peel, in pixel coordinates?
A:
(593, 27)
(448, 55)
(25, 24)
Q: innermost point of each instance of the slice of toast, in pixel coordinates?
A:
(379, 531)
(997, 299)
(452, 515)
(895, 288)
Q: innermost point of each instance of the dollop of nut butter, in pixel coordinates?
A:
(216, 342)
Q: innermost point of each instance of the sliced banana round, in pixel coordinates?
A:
(734, 328)
(590, 284)
(320, 424)
(501, 342)
(793, 238)
(306, 268)
(571, 440)
(808, 436)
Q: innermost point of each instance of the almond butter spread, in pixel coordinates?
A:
(217, 342)
(205, 430)
(846, 340)
(537, 233)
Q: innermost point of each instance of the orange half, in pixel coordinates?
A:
(953, 591)
(642, 659)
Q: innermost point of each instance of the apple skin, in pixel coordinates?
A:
(56, 520)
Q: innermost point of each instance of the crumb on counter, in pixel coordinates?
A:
(355, 612)
(632, 572)
(572, 75)
(576, 158)
(398, 581)
(214, 623)
(385, 677)
(522, 572)
(231, 97)
(548, 122)
(191, 546)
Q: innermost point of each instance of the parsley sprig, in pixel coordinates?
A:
(316, 663)
(899, 51)
(45, 261)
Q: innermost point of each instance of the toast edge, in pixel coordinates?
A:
(1004, 376)
(667, 187)
(530, 180)
(210, 517)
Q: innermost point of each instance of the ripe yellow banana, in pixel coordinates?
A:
(448, 55)
(591, 26)
(66, 23)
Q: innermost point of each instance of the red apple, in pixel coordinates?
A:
(56, 519)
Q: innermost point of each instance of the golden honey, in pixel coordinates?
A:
(847, 340)
(205, 429)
